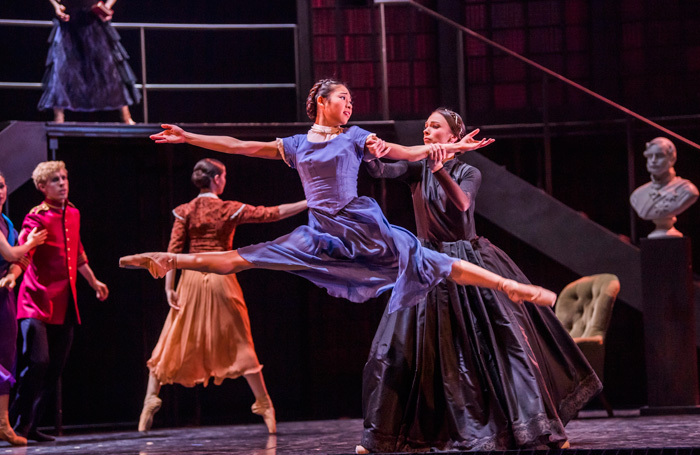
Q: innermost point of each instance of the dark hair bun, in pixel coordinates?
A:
(205, 170)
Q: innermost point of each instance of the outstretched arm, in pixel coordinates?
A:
(402, 170)
(287, 210)
(173, 134)
(379, 148)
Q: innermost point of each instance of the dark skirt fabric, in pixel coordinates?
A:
(87, 67)
(570, 378)
(461, 371)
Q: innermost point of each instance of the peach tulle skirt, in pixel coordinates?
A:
(209, 337)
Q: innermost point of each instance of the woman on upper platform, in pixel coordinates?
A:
(87, 67)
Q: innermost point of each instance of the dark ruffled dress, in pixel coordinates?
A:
(87, 67)
(467, 369)
(348, 247)
(8, 316)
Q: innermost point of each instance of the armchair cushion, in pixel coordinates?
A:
(584, 307)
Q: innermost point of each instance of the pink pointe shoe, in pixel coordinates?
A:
(263, 407)
(151, 405)
(518, 292)
(158, 264)
(8, 434)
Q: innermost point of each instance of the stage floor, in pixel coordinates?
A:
(628, 431)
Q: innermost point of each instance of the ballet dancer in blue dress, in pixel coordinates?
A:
(348, 247)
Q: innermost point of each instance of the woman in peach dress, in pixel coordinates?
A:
(207, 332)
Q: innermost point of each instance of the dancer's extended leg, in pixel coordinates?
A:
(263, 403)
(151, 404)
(158, 264)
(466, 273)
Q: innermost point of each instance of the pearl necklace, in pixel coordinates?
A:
(325, 130)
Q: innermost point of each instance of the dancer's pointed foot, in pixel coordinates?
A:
(518, 292)
(263, 407)
(9, 435)
(158, 264)
(360, 449)
(151, 405)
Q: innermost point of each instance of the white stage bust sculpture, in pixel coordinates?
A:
(667, 195)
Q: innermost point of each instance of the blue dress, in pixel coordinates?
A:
(8, 316)
(348, 246)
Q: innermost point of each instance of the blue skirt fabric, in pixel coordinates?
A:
(87, 67)
(355, 254)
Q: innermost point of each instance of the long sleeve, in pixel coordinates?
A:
(461, 194)
(256, 214)
(401, 170)
(178, 234)
(82, 255)
(469, 182)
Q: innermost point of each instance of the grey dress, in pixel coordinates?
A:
(467, 369)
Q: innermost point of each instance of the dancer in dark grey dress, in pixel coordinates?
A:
(466, 368)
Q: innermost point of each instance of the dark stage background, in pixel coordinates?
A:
(643, 54)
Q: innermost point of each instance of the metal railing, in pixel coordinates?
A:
(547, 73)
(145, 86)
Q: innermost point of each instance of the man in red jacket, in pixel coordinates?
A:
(47, 307)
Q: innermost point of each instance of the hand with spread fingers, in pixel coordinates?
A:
(171, 134)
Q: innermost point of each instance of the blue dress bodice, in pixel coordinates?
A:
(348, 247)
(328, 170)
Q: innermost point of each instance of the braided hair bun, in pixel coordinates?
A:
(205, 170)
(322, 88)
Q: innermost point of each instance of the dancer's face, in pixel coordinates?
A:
(56, 187)
(336, 108)
(437, 130)
(3, 191)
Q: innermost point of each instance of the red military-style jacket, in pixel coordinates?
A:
(51, 269)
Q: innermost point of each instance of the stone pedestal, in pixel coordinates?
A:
(669, 326)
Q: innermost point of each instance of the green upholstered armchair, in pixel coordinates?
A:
(584, 308)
